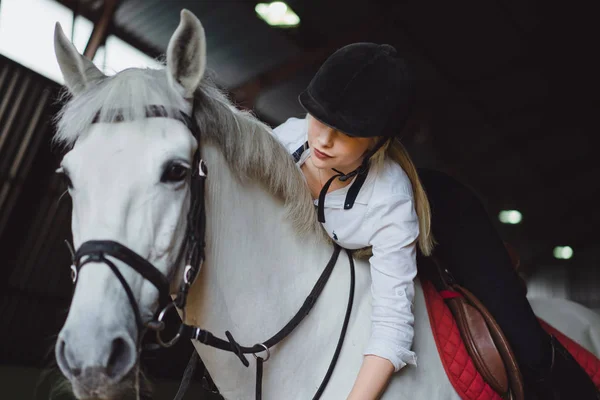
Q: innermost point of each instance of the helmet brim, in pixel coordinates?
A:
(317, 111)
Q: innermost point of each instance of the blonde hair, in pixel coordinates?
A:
(395, 151)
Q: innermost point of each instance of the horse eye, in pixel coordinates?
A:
(174, 172)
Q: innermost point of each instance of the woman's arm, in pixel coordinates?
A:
(394, 230)
(372, 378)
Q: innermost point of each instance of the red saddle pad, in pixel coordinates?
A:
(465, 379)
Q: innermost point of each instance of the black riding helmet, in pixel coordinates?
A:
(362, 90)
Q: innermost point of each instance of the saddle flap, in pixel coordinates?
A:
(482, 337)
(501, 346)
(480, 344)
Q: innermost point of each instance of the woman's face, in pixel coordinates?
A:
(334, 149)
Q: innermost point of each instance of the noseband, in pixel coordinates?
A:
(102, 251)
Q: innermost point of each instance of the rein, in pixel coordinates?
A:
(231, 345)
(99, 251)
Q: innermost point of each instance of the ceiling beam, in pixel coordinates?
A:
(100, 31)
(93, 14)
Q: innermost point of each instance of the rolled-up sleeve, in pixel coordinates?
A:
(395, 228)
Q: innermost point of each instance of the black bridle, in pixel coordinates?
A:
(192, 247)
(102, 251)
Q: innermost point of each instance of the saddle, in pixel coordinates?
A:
(491, 365)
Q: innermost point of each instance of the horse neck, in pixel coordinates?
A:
(258, 269)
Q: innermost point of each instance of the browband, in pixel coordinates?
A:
(153, 111)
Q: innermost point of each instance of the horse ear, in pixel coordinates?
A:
(186, 54)
(78, 71)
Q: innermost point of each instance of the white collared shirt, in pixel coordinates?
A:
(384, 217)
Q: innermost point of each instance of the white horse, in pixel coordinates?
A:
(264, 251)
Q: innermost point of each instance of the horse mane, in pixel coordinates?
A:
(247, 144)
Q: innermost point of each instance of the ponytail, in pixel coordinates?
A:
(396, 151)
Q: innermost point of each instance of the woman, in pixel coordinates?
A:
(368, 193)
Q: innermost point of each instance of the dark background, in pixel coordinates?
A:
(507, 103)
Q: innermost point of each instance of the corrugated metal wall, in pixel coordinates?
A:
(32, 221)
(23, 112)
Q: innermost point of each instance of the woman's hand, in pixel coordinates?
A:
(372, 378)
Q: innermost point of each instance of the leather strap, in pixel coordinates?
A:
(515, 379)
(96, 250)
(231, 345)
(207, 338)
(360, 173)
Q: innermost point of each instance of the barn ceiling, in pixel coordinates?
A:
(507, 103)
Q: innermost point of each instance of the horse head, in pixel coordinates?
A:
(130, 167)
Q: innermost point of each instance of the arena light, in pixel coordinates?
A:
(563, 252)
(278, 14)
(511, 217)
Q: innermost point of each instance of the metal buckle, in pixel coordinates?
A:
(266, 349)
(73, 273)
(186, 275)
(202, 168)
(160, 323)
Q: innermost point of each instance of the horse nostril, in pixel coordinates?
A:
(64, 361)
(120, 360)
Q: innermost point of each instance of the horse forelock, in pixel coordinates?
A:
(123, 96)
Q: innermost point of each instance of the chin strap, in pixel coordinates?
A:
(361, 175)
